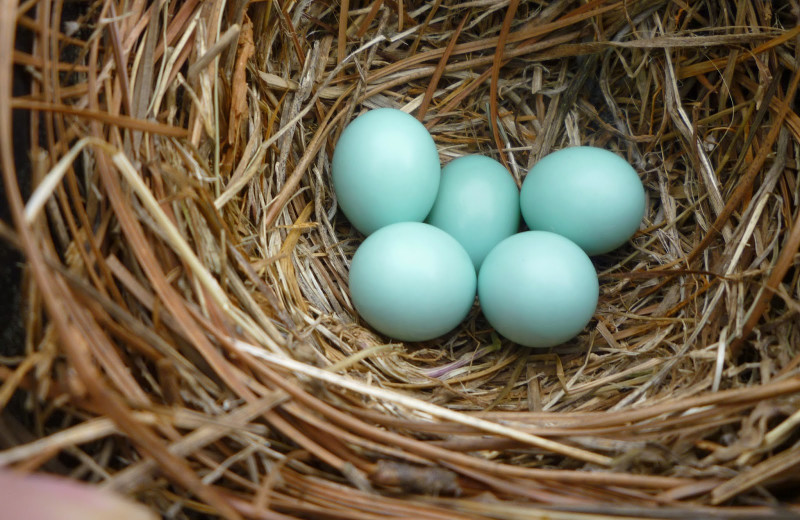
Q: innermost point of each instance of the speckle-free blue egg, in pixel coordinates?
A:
(412, 281)
(385, 170)
(589, 195)
(478, 204)
(538, 289)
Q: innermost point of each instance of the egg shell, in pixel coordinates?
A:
(412, 281)
(385, 169)
(589, 195)
(538, 289)
(477, 204)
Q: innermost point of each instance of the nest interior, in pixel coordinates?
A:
(188, 335)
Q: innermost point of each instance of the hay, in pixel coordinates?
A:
(190, 340)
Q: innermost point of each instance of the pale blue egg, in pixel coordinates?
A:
(385, 170)
(412, 281)
(589, 195)
(538, 289)
(478, 204)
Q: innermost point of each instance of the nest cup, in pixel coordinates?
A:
(188, 336)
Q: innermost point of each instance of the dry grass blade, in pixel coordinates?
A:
(427, 408)
(113, 119)
(498, 57)
(437, 74)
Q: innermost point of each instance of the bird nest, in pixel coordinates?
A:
(189, 338)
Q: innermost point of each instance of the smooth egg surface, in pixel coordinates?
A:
(385, 170)
(538, 289)
(477, 204)
(412, 281)
(589, 195)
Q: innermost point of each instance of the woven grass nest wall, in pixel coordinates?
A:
(189, 337)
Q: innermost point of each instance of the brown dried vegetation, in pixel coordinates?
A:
(190, 340)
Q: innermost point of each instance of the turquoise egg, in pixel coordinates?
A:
(589, 195)
(538, 289)
(385, 170)
(478, 204)
(412, 281)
